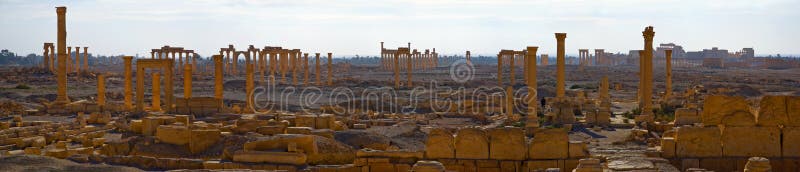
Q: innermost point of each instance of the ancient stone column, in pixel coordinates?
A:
(640, 90)
(227, 63)
(409, 67)
(581, 58)
(194, 60)
(69, 60)
(218, 77)
(293, 67)
(545, 59)
(283, 60)
(604, 88)
(128, 81)
(509, 103)
(86, 58)
(235, 64)
(180, 61)
(500, 68)
(187, 81)
(317, 69)
(600, 55)
(101, 90)
(46, 57)
(469, 58)
(396, 69)
(52, 58)
(249, 83)
(668, 92)
(532, 118)
(305, 69)
(262, 54)
(511, 66)
(560, 65)
(330, 69)
(61, 97)
(169, 86)
(156, 96)
(648, 35)
(273, 64)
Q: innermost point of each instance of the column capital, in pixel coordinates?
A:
(529, 49)
(61, 10)
(561, 36)
(648, 33)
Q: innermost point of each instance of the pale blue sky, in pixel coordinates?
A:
(349, 27)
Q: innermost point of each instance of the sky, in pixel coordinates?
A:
(356, 27)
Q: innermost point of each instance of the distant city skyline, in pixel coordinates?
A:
(355, 27)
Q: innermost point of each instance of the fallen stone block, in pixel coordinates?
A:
(698, 142)
(173, 134)
(772, 111)
(667, 147)
(299, 130)
(136, 126)
(791, 142)
(247, 125)
(202, 139)
(281, 142)
(327, 133)
(686, 116)
(400, 154)
(507, 143)
(99, 118)
(728, 110)
(793, 111)
(440, 144)
(578, 149)
(270, 157)
(325, 121)
(472, 143)
(118, 147)
(35, 141)
(541, 165)
(550, 143)
(57, 153)
(305, 121)
(150, 124)
(271, 130)
(33, 151)
(751, 141)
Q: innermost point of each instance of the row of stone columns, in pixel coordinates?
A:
(276, 61)
(175, 53)
(74, 64)
(584, 58)
(418, 60)
(49, 57)
(512, 57)
(599, 58)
